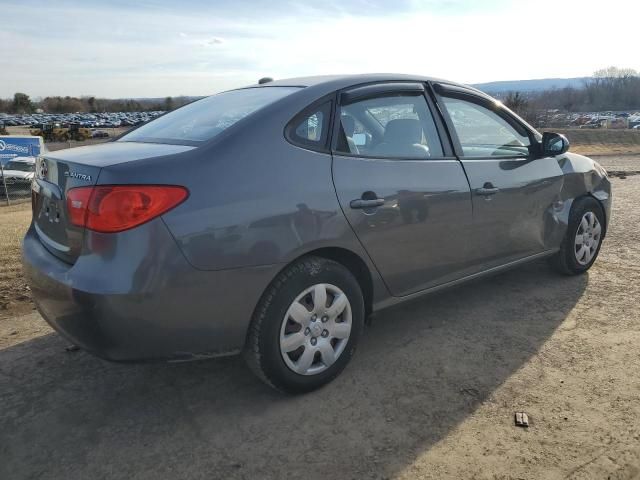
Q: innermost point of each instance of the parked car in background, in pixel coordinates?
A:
(592, 124)
(273, 219)
(17, 175)
(99, 134)
(86, 120)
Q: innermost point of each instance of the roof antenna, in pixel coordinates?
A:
(264, 80)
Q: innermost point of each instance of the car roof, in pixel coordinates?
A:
(346, 80)
(354, 79)
(319, 84)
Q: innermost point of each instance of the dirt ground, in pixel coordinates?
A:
(15, 296)
(431, 392)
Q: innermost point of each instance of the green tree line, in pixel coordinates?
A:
(22, 103)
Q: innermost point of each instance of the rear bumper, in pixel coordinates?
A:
(140, 300)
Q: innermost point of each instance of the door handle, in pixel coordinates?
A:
(487, 189)
(362, 203)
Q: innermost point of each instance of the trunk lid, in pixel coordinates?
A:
(60, 171)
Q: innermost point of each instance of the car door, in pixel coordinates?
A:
(515, 192)
(403, 192)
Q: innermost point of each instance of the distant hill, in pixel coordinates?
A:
(186, 98)
(530, 85)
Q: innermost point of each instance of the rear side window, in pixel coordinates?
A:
(397, 127)
(204, 119)
(310, 129)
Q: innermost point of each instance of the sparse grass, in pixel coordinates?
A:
(14, 293)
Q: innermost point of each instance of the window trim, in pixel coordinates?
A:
(323, 146)
(442, 91)
(387, 90)
(383, 89)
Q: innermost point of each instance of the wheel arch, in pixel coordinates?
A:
(355, 264)
(603, 206)
(347, 258)
(601, 202)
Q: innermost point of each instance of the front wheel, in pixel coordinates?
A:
(582, 242)
(306, 326)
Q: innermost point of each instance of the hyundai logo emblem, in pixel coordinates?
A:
(42, 169)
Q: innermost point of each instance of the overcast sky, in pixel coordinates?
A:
(155, 48)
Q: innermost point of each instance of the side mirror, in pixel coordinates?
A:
(554, 144)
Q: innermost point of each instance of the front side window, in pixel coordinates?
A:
(398, 127)
(204, 119)
(484, 133)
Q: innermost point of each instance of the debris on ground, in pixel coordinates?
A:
(522, 419)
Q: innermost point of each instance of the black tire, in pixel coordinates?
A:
(565, 261)
(262, 350)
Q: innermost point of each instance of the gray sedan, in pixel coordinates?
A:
(274, 219)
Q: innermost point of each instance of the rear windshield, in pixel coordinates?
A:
(204, 119)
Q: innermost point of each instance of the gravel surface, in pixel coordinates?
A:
(620, 163)
(431, 393)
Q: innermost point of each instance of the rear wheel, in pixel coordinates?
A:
(306, 326)
(583, 239)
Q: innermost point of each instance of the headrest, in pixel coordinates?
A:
(348, 124)
(403, 131)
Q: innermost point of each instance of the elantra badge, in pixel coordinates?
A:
(79, 176)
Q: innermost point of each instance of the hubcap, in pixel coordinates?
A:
(315, 330)
(587, 238)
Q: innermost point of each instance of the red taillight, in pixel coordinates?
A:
(77, 202)
(115, 208)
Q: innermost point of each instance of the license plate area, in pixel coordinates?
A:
(49, 216)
